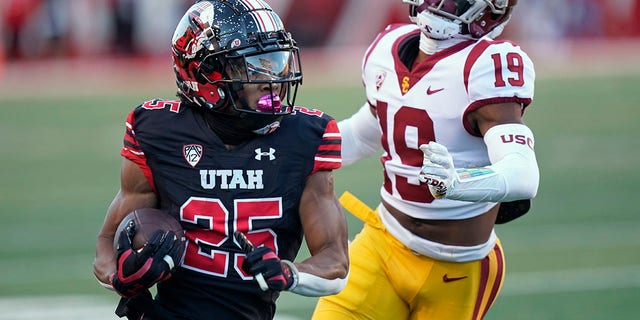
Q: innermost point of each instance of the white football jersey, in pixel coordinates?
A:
(430, 103)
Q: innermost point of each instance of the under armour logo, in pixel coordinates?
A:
(260, 154)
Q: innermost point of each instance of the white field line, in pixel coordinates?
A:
(523, 283)
(66, 308)
(57, 308)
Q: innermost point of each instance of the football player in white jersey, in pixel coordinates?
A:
(445, 102)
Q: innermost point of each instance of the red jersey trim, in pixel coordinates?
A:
(408, 78)
(131, 151)
(481, 103)
(474, 55)
(329, 154)
(381, 35)
(489, 283)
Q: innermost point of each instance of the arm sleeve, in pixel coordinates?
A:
(513, 173)
(360, 136)
(310, 285)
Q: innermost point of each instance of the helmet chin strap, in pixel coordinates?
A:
(256, 123)
(497, 31)
(268, 128)
(440, 28)
(431, 46)
(439, 33)
(437, 27)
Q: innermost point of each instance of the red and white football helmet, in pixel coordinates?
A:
(444, 19)
(220, 45)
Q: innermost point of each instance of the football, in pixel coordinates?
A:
(143, 223)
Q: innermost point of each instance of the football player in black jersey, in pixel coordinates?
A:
(233, 155)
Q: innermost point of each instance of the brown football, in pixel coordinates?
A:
(145, 222)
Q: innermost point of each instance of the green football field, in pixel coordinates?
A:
(576, 255)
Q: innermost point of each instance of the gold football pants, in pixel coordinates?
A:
(387, 280)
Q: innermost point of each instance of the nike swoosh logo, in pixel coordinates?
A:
(446, 278)
(430, 92)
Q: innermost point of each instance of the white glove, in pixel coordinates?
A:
(437, 169)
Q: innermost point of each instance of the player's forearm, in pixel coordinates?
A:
(515, 174)
(321, 275)
(512, 175)
(104, 264)
(329, 264)
(326, 233)
(327, 237)
(326, 271)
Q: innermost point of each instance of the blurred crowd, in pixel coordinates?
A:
(33, 29)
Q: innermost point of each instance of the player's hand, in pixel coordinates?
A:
(263, 262)
(140, 270)
(437, 170)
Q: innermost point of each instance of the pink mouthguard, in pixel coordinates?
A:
(269, 103)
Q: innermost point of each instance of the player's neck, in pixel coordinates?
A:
(422, 56)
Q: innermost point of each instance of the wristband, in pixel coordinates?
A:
(310, 285)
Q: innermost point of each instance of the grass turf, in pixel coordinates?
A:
(59, 166)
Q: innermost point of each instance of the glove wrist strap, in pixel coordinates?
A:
(294, 274)
(107, 286)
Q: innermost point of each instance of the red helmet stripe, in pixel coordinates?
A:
(265, 23)
(253, 6)
(263, 15)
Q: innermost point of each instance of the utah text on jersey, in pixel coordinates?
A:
(231, 179)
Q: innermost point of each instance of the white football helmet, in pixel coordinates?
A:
(444, 19)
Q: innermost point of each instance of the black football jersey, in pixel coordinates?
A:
(254, 188)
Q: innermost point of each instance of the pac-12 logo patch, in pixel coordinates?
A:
(380, 79)
(192, 154)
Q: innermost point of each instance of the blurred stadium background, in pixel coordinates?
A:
(71, 70)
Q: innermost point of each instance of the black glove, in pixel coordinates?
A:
(263, 262)
(141, 270)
